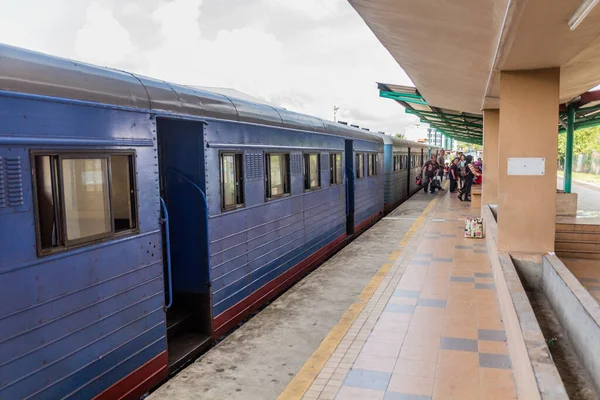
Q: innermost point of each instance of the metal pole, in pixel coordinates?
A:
(569, 147)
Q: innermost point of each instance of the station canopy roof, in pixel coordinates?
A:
(461, 126)
(468, 127)
(454, 51)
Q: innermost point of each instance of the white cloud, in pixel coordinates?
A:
(103, 40)
(314, 9)
(179, 21)
(305, 55)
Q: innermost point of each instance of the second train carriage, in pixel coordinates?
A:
(139, 220)
(403, 160)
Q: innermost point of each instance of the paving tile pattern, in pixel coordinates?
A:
(432, 329)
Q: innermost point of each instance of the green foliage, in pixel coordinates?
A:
(400, 135)
(562, 146)
(586, 140)
(464, 147)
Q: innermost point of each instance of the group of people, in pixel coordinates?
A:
(462, 173)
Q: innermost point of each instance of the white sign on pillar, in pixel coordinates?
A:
(526, 166)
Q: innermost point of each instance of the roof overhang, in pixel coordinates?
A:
(468, 127)
(461, 126)
(453, 51)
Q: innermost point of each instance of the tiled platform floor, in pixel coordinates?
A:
(587, 272)
(432, 330)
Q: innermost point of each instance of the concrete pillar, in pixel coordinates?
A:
(528, 128)
(491, 121)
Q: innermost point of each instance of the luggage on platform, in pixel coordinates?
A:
(474, 227)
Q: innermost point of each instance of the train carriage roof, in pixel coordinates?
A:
(30, 72)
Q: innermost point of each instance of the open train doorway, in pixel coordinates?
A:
(186, 269)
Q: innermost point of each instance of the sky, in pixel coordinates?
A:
(303, 55)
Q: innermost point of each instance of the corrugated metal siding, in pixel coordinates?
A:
(414, 172)
(75, 323)
(274, 238)
(395, 185)
(252, 246)
(388, 170)
(369, 195)
(397, 188)
(369, 198)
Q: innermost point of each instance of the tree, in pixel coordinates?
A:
(585, 141)
(400, 135)
(466, 147)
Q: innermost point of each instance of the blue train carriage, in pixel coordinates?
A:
(364, 172)
(81, 271)
(264, 196)
(91, 157)
(402, 162)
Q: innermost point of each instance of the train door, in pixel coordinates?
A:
(408, 175)
(350, 186)
(185, 218)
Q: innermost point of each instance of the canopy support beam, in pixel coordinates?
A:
(569, 148)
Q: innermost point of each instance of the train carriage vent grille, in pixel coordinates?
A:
(254, 166)
(14, 181)
(2, 187)
(296, 164)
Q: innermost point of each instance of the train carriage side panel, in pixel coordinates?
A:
(77, 317)
(396, 172)
(369, 203)
(416, 162)
(388, 171)
(262, 246)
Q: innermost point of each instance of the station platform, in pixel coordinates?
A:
(432, 329)
(407, 311)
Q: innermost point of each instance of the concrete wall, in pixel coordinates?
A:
(527, 204)
(566, 204)
(577, 311)
(534, 371)
(491, 124)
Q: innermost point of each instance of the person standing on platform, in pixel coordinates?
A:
(454, 171)
(430, 168)
(462, 171)
(468, 179)
(441, 161)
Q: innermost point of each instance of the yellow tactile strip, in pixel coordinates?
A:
(327, 366)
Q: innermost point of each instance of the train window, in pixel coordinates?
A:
(277, 175)
(312, 173)
(81, 198)
(396, 162)
(122, 192)
(360, 166)
(232, 187)
(372, 161)
(87, 197)
(335, 168)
